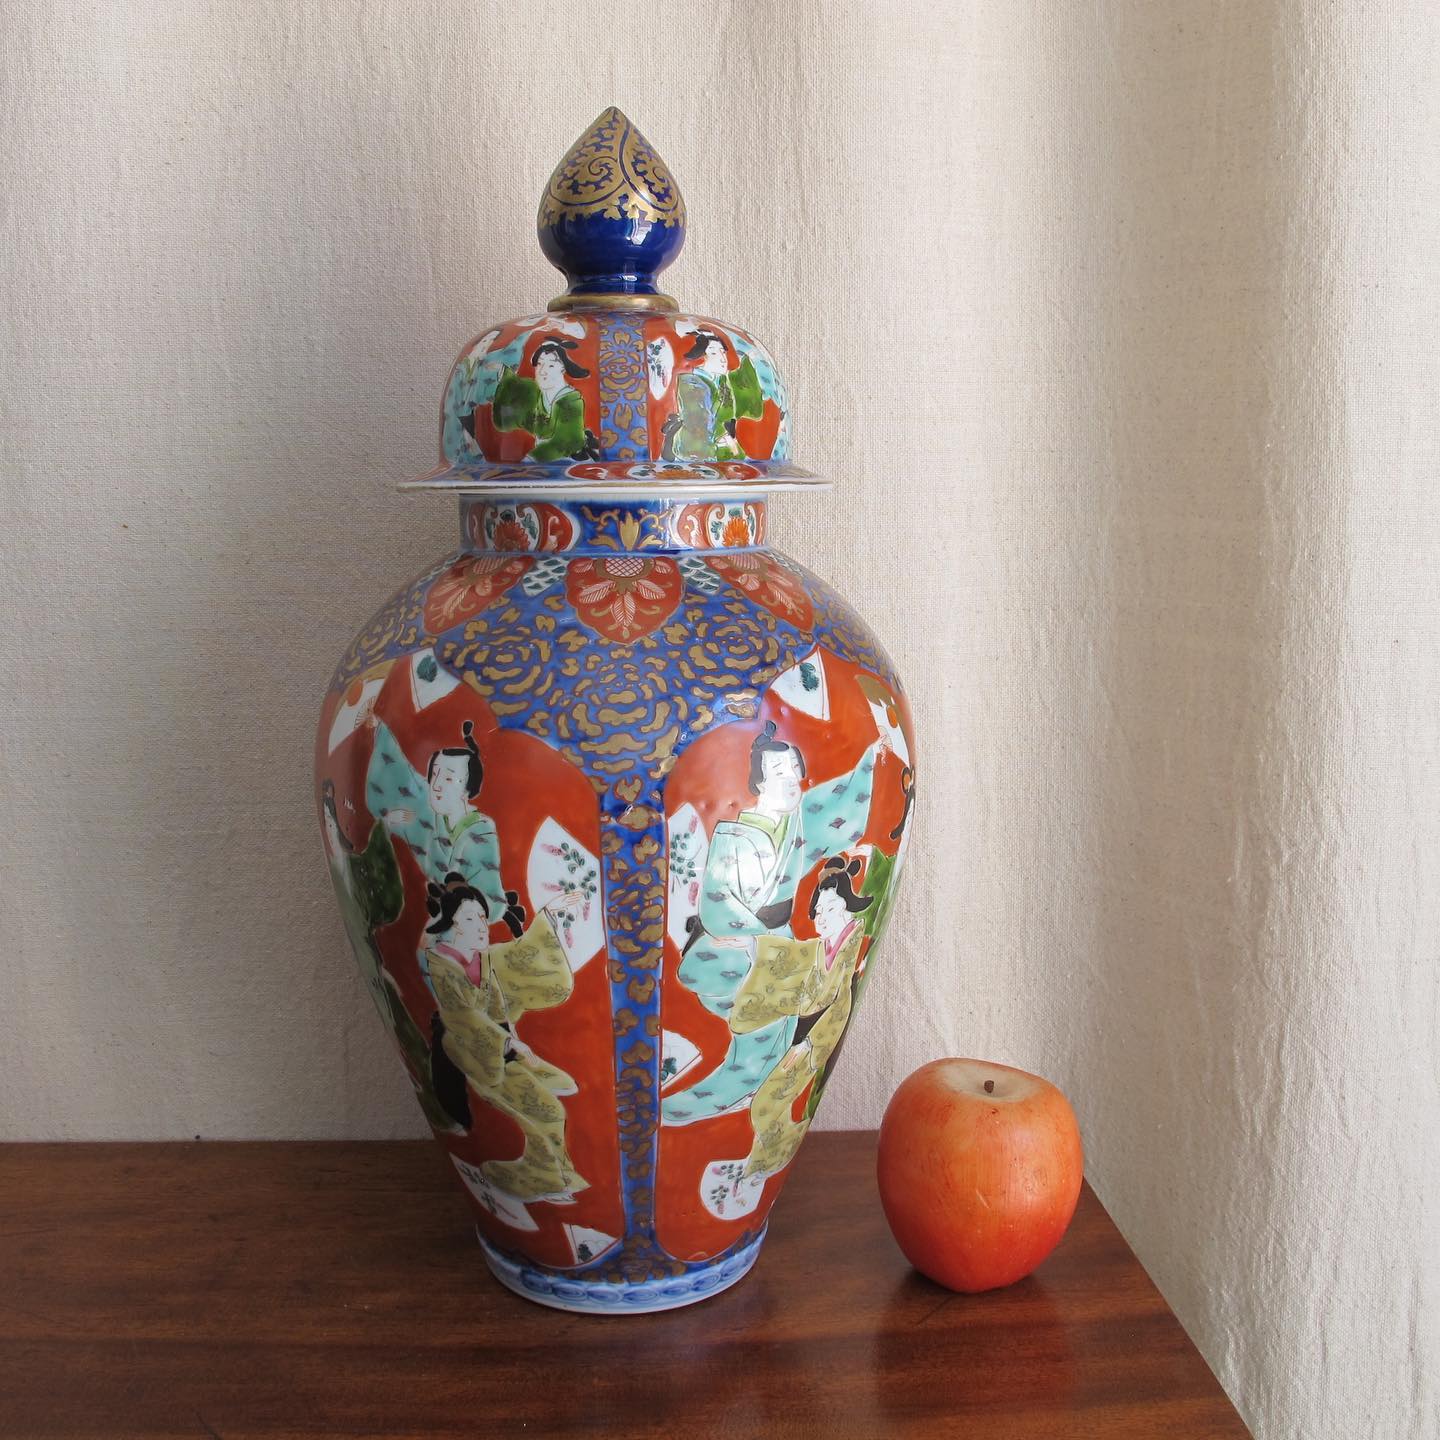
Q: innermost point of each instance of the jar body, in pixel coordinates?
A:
(615, 800)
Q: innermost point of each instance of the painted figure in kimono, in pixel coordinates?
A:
(548, 406)
(814, 981)
(437, 818)
(483, 990)
(753, 868)
(708, 401)
(878, 887)
(367, 885)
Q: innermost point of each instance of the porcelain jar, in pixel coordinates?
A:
(615, 796)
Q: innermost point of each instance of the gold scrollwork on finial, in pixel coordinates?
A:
(612, 171)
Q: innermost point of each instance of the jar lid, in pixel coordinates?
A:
(613, 391)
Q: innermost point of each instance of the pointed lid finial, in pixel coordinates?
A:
(611, 219)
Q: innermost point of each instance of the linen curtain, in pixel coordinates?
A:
(1115, 325)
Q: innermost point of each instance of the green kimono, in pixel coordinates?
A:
(756, 864)
(880, 876)
(367, 885)
(707, 407)
(559, 428)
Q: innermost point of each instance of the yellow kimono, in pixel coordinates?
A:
(529, 973)
(790, 977)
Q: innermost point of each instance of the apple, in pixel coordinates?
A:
(979, 1168)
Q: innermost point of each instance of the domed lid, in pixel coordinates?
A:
(613, 391)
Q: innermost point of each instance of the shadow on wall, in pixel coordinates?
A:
(1208, 507)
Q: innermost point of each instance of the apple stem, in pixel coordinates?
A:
(989, 1087)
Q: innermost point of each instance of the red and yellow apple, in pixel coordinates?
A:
(979, 1168)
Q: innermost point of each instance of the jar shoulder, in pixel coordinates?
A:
(751, 611)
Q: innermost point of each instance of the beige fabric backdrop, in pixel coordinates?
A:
(1117, 325)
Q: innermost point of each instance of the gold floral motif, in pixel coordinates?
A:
(612, 171)
(398, 624)
(623, 528)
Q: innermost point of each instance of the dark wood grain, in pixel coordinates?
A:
(336, 1289)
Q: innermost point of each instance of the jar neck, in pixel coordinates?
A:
(524, 525)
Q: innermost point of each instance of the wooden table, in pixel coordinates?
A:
(336, 1289)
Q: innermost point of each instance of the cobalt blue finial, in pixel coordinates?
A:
(611, 218)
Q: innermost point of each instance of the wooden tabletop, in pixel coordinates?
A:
(336, 1289)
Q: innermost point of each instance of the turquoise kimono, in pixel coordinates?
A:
(707, 407)
(755, 863)
(559, 429)
(470, 848)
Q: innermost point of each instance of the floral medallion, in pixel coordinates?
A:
(769, 583)
(468, 586)
(507, 526)
(624, 596)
